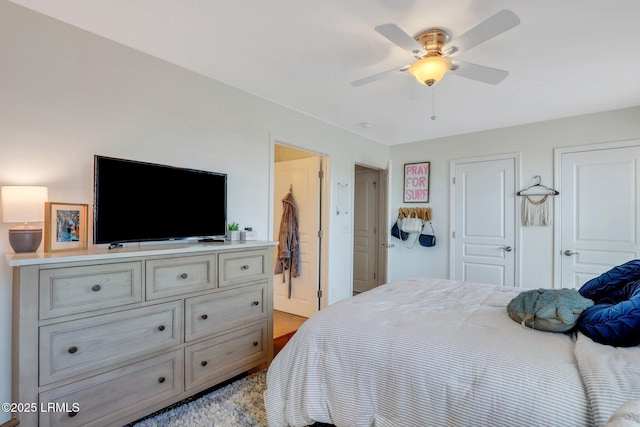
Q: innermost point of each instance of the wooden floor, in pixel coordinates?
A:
(285, 323)
(284, 326)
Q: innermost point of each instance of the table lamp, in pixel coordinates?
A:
(24, 204)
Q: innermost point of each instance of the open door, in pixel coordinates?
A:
(302, 177)
(369, 226)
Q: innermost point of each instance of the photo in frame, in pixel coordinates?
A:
(65, 226)
(416, 182)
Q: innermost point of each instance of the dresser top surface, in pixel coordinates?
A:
(103, 253)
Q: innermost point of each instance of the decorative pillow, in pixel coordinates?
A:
(553, 310)
(603, 285)
(615, 317)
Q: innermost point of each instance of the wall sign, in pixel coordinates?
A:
(416, 182)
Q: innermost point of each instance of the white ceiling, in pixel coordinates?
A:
(566, 58)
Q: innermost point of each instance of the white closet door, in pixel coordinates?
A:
(599, 212)
(483, 208)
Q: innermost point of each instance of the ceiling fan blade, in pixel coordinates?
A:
(486, 30)
(379, 76)
(398, 37)
(489, 75)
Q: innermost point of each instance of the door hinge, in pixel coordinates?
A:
(320, 174)
(453, 234)
(453, 180)
(319, 234)
(374, 276)
(375, 184)
(319, 293)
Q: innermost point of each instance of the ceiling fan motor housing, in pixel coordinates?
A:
(433, 39)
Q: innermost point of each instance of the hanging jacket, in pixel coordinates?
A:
(289, 241)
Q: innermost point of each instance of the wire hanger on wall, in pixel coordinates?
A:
(538, 189)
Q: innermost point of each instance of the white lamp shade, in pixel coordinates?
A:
(23, 203)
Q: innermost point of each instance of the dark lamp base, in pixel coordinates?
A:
(25, 240)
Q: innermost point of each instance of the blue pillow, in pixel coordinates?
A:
(615, 317)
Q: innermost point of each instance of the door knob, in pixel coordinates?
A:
(569, 252)
(506, 248)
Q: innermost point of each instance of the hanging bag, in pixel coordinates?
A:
(395, 232)
(412, 224)
(428, 240)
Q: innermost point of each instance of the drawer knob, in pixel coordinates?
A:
(73, 413)
(204, 317)
(161, 328)
(244, 267)
(255, 343)
(73, 349)
(96, 288)
(184, 275)
(255, 303)
(203, 363)
(161, 380)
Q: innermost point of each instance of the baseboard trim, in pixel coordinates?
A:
(11, 423)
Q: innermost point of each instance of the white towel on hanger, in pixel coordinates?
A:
(536, 212)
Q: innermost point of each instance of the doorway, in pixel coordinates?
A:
(301, 174)
(483, 212)
(369, 225)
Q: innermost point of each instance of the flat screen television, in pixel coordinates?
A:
(137, 201)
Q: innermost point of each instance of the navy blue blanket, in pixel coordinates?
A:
(614, 318)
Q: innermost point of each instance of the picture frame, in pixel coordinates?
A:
(416, 182)
(65, 226)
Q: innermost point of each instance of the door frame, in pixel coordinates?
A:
(452, 208)
(557, 214)
(323, 267)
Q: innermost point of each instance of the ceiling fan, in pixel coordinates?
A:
(433, 49)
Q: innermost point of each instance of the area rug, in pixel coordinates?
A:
(239, 404)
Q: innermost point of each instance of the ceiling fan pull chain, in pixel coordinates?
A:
(433, 103)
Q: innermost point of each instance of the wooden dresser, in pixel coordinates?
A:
(106, 337)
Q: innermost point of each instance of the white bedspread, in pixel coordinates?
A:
(427, 352)
(611, 376)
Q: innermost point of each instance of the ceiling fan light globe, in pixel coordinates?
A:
(430, 69)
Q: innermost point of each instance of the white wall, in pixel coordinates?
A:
(66, 95)
(535, 143)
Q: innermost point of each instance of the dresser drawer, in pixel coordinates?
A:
(239, 267)
(176, 276)
(73, 290)
(115, 393)
(80, 346)
(220, 311)
(223, 357)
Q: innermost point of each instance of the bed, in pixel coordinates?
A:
(435, 352)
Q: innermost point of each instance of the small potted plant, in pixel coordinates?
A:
(233, 231)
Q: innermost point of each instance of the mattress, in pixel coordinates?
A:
(426, 352)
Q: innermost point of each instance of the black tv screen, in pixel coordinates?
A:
(137, 201)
